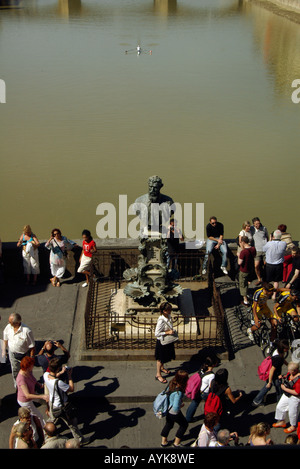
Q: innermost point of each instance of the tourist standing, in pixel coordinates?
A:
(48, 351)
(26, 388)
(58, 398)
(246, 263)
(30, 253)
(58, 246)
(260, 238)
(245, 231)
(18, 339)
(287, 237)
(88, 248)
(166, 337)
(274, 250)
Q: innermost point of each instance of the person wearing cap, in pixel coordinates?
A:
(287, 303)
(275, 250)
(260, 308)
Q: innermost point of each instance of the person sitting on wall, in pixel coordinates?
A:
(215, 234)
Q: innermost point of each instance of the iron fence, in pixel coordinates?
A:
(107, 328)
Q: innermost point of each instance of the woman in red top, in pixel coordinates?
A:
(289, 402)
(88, 247)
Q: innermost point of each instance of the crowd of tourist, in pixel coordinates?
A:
(267, 260)
(219, 399)
(35, 428)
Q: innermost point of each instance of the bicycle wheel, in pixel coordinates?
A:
(265, 342)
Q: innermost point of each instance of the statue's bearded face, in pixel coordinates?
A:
(154, 189)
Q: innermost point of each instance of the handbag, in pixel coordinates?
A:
(169, 338)
(66, 409)
(64, 253)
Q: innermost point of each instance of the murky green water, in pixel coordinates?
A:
(209, 111)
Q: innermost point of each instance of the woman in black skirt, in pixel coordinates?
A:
(164, 353)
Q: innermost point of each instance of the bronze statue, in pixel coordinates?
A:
(150, 283)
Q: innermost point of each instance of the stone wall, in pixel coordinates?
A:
(289, 9)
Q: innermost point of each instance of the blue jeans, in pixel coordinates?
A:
(210, 246)
(194, 405)
(260, 396)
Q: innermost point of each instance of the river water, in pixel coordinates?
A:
(209, 110)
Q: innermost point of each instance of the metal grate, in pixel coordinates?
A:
(107, 328)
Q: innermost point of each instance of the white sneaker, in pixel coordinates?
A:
(250, 335)
(224, 270)
(85, 284)
(203, 271)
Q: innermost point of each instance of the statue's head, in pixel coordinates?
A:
(154, 185)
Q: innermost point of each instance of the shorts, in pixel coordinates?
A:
(266, 312)
(260, 256)
(291, 311)
(84, 263)
(274, 272)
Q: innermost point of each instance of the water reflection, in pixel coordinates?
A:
(85, 122)
(279, 41)
(68, 8)
(10, 4)
(165, 7)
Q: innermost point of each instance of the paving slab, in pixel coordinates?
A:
(114, 397)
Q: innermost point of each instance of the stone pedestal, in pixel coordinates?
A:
(129, 317)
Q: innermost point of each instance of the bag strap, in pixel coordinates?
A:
(56, 388)
(58, 246)
(293, 381)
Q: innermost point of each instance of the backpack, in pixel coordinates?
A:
(161, 404)
(213, 404)
(264, 368)
(193, 385)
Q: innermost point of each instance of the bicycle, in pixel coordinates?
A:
(288, 328)
(262, 335)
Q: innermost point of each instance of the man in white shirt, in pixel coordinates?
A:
(58, 397)
(18, 339)
(275, 250)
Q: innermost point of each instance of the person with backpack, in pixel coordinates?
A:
(174, 415)
(221, 397)
(290, 400)
(198, 386)
(59, 406)
(273, 375)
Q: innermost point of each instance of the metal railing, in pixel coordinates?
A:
(106, 328)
